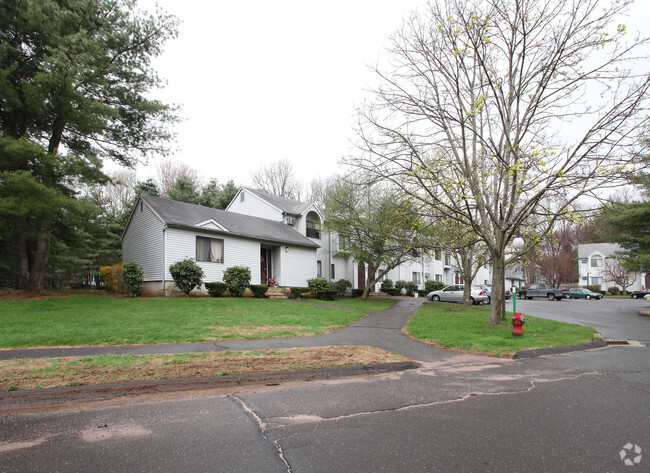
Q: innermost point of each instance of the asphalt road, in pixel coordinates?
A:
(458, 413)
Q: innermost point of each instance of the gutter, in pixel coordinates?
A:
(164, 259)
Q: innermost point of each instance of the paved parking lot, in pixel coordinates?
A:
(616, 318)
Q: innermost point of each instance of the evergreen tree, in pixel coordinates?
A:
(75, 83)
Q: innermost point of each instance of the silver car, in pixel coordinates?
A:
(454, 293)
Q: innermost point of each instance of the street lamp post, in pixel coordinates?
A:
(516, 244)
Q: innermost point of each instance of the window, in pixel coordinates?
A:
(332, 272)
(437, 254)
(596, 261)
(313, 225)
(596, 281)
(416, 277)
(439, 277)
(447, 259)
(343, 244)
(319, 269)
(209, 249)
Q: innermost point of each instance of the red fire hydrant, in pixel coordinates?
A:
(518, 322)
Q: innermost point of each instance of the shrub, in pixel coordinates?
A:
(215, 289)
(113, 277)
(341, 286)
(594, 287)
(133, 277)
(423, 292)
(386, 284)
(320, 287)
(259, 290)
(393, 291)
(187, 275)
(238, 279)
(409, 286)
(329, 295)
(614, 291)
(297, 292)
(433, 286)
(357, 292)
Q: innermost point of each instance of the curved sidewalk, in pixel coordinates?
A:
(380, 329)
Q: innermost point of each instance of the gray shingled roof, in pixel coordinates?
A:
(181, 214)
(607, 249)
(286, 205)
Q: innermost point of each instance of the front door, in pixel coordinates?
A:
(265, 265)
(361, 275)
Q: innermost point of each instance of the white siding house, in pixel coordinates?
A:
(161, 232)
(592, 259)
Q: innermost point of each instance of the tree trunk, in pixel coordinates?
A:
(23, 263)
(41, 255)
(496, 298)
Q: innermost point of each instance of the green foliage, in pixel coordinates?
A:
(393, 291)
(297, 292)
(433, 286)
(357, 292)
(322, 288)
(629, 225)
(614, 291)
(386, 284)
(187, 275)
(184, 190)
(409, 286)
(342, 286)
(259, 290)
(216, 195)
(380, 225)
(133, 278)
(75, 88)
(216, 289)
(237, 279)
(147, 187)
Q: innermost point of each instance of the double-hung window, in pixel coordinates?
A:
(209, 249)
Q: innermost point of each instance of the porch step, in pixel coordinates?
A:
(277, 293)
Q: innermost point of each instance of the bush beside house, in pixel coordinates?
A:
(187, 275)
(237, 278)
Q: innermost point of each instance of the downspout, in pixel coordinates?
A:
(329, 253)
(164, 260)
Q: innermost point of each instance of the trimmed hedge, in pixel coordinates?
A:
(392, 291)
(216, 289)
(386, 284)
(297, 292)
(259, 290)
(357, 292)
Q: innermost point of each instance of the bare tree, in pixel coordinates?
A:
(278, 178)
(615, 272)
(168, 172)
(471, 117)
(116, 196)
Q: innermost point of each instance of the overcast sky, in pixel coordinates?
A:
(262, 80)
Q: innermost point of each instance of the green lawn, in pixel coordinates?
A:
(358, 304)
(104, 320)
(466, 328)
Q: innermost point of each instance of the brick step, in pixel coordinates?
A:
(277, 293)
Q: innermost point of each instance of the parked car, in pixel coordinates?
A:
(647, 297)
(640, 294)
(454, 293)
(540, 290)
(488, 291)
(581, 293)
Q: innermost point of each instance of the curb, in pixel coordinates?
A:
(644, 313)
(595, 343)
(107, 391)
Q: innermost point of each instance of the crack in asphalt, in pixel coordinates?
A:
(281, 422)
(263, 428)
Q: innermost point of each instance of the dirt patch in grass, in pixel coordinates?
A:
(49, 373)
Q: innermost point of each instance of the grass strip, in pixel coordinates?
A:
(466, 328)
(48, 373)
(106, 320)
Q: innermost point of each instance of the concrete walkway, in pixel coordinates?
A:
(380, 329)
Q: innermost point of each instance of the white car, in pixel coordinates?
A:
(454, 293)
(647, 297)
